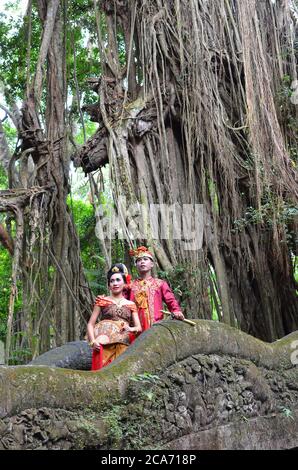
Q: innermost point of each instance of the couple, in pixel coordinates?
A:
(129, 310)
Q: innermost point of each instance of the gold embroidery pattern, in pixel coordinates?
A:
(144, 291)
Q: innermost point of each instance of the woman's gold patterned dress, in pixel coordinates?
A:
(114, 340)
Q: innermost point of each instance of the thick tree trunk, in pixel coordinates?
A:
(204, 128)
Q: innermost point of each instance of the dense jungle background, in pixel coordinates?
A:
(159, 102)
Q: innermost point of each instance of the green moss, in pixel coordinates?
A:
(157, 349)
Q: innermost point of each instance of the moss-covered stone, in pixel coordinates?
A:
(175, 380)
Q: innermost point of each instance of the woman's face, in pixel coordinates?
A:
(116, 283)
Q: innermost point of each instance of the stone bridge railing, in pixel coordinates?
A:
(177, 387)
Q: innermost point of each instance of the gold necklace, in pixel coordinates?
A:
(118, 305)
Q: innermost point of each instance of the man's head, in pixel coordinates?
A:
(144, 259)
(144, 264)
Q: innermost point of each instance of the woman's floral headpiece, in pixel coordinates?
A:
(124, 271)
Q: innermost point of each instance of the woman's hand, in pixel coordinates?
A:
(96, 345)
(128, 328)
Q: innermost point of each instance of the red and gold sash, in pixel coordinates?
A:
(141, 299)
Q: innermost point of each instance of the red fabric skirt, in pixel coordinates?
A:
(106, 354)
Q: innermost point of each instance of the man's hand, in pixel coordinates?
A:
(178, 315)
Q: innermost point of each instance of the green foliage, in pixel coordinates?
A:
(213, 195)
(91, 255)
(20, 356)
(90, 128)
(175, 278)
(113, 420)
(284, 95)
(268, 214)
(81, 46)
(10, 134)
(13, 51)
(3, 178)
(81, 50)
(5, 272)
(295, 267)
(287, 113)
(5, 276)
(145, 377)
(287, 412)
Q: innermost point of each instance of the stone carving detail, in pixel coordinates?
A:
(199, 393)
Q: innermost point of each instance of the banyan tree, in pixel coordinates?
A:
(197, 108)
(56, 297)
(194, 115)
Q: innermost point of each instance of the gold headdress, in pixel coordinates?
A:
(140, 252)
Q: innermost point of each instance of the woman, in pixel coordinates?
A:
(118, 320)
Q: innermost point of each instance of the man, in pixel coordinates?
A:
(149, 293)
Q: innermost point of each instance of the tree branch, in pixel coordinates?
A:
(49, 24)
(14, 115)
